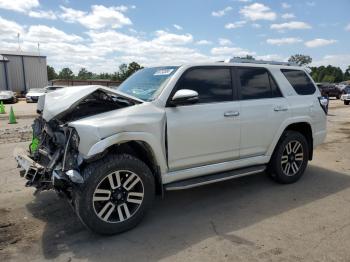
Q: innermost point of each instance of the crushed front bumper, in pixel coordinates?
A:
(29, 168)
(33, 171)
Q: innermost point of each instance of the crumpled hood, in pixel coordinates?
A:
(63, 99)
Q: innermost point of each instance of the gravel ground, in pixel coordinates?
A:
(247, 219)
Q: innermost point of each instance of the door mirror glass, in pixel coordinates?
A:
(184, 97)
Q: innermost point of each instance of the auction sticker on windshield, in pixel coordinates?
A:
(164, 72)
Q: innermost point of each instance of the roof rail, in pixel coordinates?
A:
(252, 61)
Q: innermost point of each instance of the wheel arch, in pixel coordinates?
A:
(143, 148)
(303, 127)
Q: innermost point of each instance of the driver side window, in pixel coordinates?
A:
(212, 84)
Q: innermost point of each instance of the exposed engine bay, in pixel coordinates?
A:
(56, 162)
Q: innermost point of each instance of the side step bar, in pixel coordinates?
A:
(209, 179)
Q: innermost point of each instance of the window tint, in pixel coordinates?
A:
(212, 84)
(257, 83)
(300, 81)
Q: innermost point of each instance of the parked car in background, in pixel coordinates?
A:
(8, 97)
(33, 94)
(329, 90)
(346, 95)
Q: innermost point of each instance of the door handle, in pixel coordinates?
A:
(231, 114)
(280, 108)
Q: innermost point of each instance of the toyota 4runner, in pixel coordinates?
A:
(109, 152)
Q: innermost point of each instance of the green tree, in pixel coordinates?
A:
(347, 74)
(84, 74)
(66, 73)
(51, 73)
(301, 60)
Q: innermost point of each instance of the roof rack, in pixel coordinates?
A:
(252, 61)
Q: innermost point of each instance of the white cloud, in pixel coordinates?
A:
(224, 41)
(235, 25)
(9, 29)
(19, 5)
(286, 5)
(222, 12)
(173, 39)
(291, 25)
(258, 11)
(340, 60)
(283, 41)
(288, 16)
(204, 42)
(178, 27)
(99, 17)
(43, 14)
(255, 25)
(270, 57)
(230, 51)
(43, 33)
(347, 28)
(318, 42)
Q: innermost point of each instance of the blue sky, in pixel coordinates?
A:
(100, 35)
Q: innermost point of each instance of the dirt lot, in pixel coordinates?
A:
(247, 219)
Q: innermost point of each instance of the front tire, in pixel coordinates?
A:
(117, 192)
(290, 158)
(346, 102)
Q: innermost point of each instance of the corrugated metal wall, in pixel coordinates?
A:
(2, 76)
(35, 71)
(15, 73)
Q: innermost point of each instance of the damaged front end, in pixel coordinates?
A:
(53, 160)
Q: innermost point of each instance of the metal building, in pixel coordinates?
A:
(21, 71)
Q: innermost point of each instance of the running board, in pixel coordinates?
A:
(218, 177)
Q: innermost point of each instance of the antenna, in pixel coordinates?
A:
(19, 45)
(38, 48)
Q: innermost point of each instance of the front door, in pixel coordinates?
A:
(206, 132)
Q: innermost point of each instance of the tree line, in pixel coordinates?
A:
(124, 71)
(329, 74)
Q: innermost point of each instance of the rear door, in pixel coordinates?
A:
(263, 110)
(206, 132)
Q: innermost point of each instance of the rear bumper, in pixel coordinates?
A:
(319, 137)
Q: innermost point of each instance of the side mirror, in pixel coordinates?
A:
(184, 97)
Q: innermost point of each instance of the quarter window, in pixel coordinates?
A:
(301, 83)
(212, 84)
(257, 83)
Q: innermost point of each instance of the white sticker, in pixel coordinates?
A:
(163, 72)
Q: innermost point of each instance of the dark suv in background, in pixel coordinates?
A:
(330, 90)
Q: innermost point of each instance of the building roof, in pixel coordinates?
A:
(20, 53)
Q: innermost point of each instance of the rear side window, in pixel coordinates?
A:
(300, 81)
(257, 83)
(212, 84)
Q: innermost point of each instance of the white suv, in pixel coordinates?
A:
(169, 128)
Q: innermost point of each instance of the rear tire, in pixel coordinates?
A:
(346, 102)
(117, 192)
(290, 158)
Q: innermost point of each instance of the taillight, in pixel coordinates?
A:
(324, 103)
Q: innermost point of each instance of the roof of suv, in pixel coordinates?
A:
(252, 64)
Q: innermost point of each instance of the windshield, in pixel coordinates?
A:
(147, 83)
